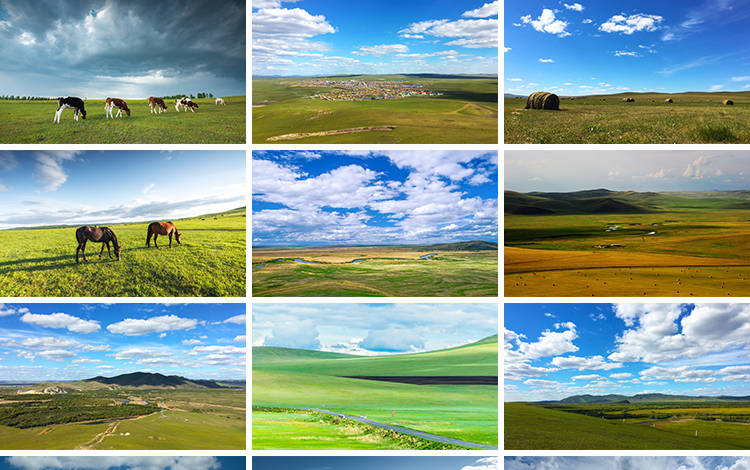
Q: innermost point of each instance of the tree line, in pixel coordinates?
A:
(50, 413)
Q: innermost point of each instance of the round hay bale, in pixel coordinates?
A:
(628, 100)
(542, 100)
(728, 102)
(668, 100)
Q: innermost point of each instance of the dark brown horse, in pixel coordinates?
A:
(162, 228)
(102, 235)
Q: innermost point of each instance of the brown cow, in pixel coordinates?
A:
(154, 103)
(112, 103)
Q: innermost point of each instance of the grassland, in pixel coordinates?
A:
(384, 272)
(691, 119)
(31, 123)
(194, 420)
(309, 379)
(210, 262)
(646, 426)
(465, 113)
(693, 251)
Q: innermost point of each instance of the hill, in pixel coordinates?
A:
(641, 398)
(135, 380)
(476, 245)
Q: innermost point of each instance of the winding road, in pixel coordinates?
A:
(411, 432)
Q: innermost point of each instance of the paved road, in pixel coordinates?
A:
(411, 432)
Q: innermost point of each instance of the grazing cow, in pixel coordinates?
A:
(191, 106)
(182, 102)
(72, 103)
(116, 103)
(220, 101)
(154, 103)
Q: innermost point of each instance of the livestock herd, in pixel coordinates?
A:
(105, 235)
(157, 106)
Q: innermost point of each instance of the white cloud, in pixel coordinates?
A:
(190, 342)
(575, 6)
(631, 24)
(379, 51)
(240, 339)
(548, 61)
(39, 462)
(6, 310)
(49, 172)
(294, 334)
(547, 23)
(488, 9)
(392, 340)
(62, 320)
(133, 327)
(470, 33)
(551, 343)
(485, 463)
(237, 319)
(584, 363)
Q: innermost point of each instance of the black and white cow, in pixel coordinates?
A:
(191, 106)
(182, 102)
(69, 102)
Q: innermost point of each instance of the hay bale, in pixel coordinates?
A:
(728, 102)
(668, 100)
(542, 100)
(628, 100)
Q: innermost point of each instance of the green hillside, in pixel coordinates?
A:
(311, 379)
(532, 427)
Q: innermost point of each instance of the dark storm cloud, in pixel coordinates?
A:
(133, 38)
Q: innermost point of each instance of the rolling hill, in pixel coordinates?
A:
(135, 380)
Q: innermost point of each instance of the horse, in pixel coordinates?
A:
(102, 235)
(162, 228)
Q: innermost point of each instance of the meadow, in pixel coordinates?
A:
(294, 378)
(693, 118)
(465, 113)
(25, 122)
(383, 271)
(662, 426)
(671, 247)
(194, 419)
(210, 262)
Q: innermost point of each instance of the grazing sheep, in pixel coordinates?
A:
(543, 100)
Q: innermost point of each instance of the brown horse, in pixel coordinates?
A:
(162, 228)
(102, 235)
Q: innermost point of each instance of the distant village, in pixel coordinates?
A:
(358, 90)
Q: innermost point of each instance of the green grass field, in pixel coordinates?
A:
(210, 262)
(386, 272)
(307, 379)
(692, 252)
(691, 119)
(529, 427)
(465, 113)
(31, 123)
(205, 419)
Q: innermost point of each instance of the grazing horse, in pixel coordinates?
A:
(102, 235)
(162, 228)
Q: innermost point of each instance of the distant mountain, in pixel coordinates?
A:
(146, 380)
(136, 380)
(640, 398)
(475, 245)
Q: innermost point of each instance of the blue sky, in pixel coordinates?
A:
(73, 341)
(372, 329)
(376, 463)
(324, 37)
(122, 463)
(573, 48)
(553, 351)
(616, 462)
(99, 187)
(625, 170)
(122, 48)
(374, 197)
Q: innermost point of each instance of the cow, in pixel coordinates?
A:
(182, 102)
(220, 101)
(154, 103)
(191, 106)
(112, 103)
(69, 102)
